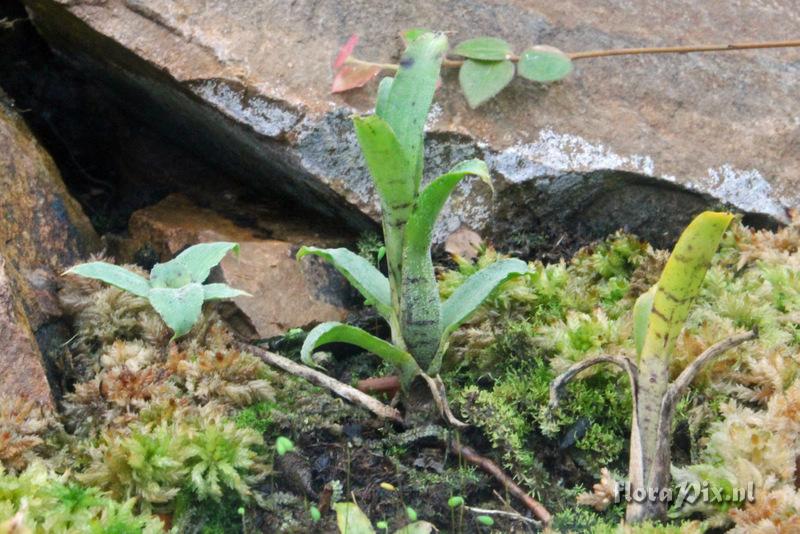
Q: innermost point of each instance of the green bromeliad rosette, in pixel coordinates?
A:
(392, 141)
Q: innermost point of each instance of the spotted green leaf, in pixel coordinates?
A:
(419, 297)
(333, 332)
(681, 280)
(393, 175)
(361, 274)
(476, 289)
(411, 95)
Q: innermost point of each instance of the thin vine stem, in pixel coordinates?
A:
(591, 54)
(683, 49)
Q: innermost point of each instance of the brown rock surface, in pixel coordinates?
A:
(285, 293)
(640, 141)
(22, 370)
(42, 232)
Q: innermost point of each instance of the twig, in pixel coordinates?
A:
(590, 54)
(493, 469)
(510, 515)
(686, 377)
(683, 49)
(557, 385)
(320, 379)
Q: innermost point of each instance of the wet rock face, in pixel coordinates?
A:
(285, 293)
(642, 141)
(42, 232)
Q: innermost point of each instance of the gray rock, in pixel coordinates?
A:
(640, 141)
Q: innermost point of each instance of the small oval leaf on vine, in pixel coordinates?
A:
(353, 76)
(481, 80)
(544, 64)
(486, 48)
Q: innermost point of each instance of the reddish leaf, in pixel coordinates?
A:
(345, 51)
(352, 76)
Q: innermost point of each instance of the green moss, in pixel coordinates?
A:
(580, 520)
(51, 503)
(257, 416)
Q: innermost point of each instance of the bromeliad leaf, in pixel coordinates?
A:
(179, 307)
(432, 199)
(198, 260)
(384, 88)
(681, 279)
(351, 520)
(170, 274)
(113, 274)
(486, 48)
(175, 288)
(222, 291)
(641, 317)
(360, 273)
(477, 288)
(393, 176)
(411, 95)
(419, 297)
(341, 333)
(482, 80)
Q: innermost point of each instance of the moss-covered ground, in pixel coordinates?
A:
(155, 435)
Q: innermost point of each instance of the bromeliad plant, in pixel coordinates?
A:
(408, 299)
(659, 315)
(175, 289)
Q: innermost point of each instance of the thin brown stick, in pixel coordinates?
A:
(320, 379)
(493, 469)
(683, 49)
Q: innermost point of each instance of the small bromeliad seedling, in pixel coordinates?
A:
(175, 289)
(659, 316)
(392, 143)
